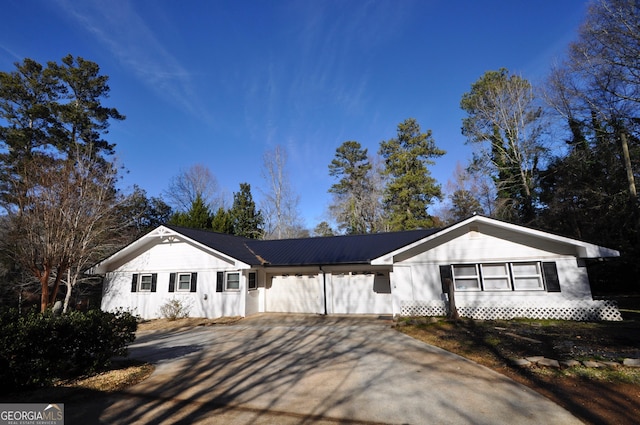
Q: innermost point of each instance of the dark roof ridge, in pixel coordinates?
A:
(434, 229)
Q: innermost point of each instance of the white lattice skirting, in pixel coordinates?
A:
(565, 310)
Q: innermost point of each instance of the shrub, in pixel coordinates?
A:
(36, 349)
(174, 309)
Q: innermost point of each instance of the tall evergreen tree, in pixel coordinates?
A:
(356, 205)
(222, 222)
(54, 111)
(411, 189)
(247, 221)
(197, 217)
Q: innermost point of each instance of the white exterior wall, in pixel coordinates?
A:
(164, 259)
(416, 278)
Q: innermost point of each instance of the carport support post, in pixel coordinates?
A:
(324, 289)
(453, 311)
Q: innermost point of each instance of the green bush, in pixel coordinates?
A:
(36, 349)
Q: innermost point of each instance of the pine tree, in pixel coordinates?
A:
(246, 220)
(411, 189)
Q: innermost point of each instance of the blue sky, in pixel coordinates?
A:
(219, 82)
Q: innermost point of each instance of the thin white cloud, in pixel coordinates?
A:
(16, 57)
(117, 25)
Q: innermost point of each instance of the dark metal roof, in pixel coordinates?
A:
(233, 246)
(350, 249)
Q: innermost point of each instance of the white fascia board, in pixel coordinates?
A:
(161, 233)
(583, 249)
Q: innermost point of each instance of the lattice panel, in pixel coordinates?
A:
(565, 310)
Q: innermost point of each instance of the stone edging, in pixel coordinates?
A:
(543, 361)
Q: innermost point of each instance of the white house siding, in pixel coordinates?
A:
(417, 286)
(295, 293)
(360, 292)
(164, 259)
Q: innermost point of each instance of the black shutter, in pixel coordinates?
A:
(445, 273)
(220, 282)
(550, 274)
(134, 282)
(172, 282)
(154, 281)
(194, 281)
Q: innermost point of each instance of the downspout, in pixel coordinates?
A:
(324, 289)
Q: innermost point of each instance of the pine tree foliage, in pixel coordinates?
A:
(58, 183)
(246, 220)
(356, 204)
(410, 189)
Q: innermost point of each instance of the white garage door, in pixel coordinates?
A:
(361, 293)
(295, 294)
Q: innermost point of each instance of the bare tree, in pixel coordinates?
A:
(598, 86)
(505, 124)
(280, 202)
(64, 219)
(188, 185)
(467, 194)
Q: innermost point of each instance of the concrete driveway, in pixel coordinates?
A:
(299, 369)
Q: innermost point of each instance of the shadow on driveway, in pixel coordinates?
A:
(302, 369)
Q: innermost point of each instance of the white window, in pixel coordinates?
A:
(527, 276)
(184, 282)
(252, 281)
(145, 282)
(466, 277)
(495, 277)
(232, 282)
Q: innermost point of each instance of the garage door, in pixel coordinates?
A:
(361, 293)
(295, 294)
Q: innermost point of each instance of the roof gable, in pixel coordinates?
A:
(581, 249)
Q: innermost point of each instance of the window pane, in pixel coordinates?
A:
(462, 284)
(494, 270)
(528, 283)
(233, 281)
(184, 282)
(465, 270)
(145, 282)
(496, 284)
(525, 269)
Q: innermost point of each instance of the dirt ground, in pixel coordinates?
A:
(596, 396)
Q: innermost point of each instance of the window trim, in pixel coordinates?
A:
(226, 282)
(467, 277)
(141, 278)
(539, 275)
(254, 286)
(487, 277)
(482, 278)
(177, 287)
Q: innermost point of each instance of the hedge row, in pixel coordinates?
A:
(36, 349)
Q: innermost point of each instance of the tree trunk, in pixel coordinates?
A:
(627, 165)
(67, 296)
(43, 277)
(453, 310)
